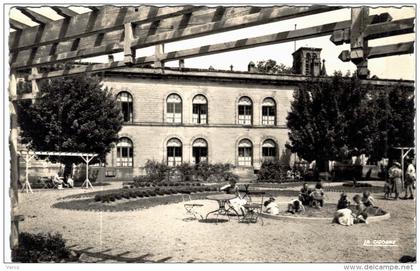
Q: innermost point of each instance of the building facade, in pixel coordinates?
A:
(198, 116)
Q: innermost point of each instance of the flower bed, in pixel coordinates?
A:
(132, 193)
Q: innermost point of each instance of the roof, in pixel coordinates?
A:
(234, 76)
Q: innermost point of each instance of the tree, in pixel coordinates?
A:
(73, 114)
(327, 119)
(271, 66)
(338, 118)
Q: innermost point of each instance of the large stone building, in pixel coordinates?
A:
(189, 115)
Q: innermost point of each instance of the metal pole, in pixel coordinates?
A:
(87, 172)
(402, 166)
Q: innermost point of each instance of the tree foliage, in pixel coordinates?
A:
(335, 119)
(73, 114)
(271, 66)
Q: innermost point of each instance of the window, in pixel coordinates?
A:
(308, 62)
(174, 152)
(200, 150)
(126, 103)
(124, 152)
(200, 109)
(269, 150)
(174, 109)
(245, 153)
(269, 112)
(245, 111)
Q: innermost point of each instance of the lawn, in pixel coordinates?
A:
(161, 233)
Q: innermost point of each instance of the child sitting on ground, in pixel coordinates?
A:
(317, 196)
(271, 207)
(367, 199)
(304, 195)
(360, 214)
(343, 202)
(295, 206)
(369, 202)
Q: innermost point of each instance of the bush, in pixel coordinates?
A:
(273, 170)
(35, 248)
(186, 171)
(98, 197)
(156, 171)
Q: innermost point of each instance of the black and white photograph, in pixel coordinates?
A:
(209, 133)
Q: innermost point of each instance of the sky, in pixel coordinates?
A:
(395, 67)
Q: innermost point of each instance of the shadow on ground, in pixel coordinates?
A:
(87, 256)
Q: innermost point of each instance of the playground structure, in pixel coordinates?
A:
(111, 29)
(29, 155)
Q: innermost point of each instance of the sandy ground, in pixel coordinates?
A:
(162, 234)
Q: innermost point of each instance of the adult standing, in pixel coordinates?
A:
(410, 178)
(395, 175)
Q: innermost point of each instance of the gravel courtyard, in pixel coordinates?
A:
(161, 234)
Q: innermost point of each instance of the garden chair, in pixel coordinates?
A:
(254, 208)
(190, 208)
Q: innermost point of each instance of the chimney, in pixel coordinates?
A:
(110, 58)
(323, 70)
(251, 67)
(181, 63)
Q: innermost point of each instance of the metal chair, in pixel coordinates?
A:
(253, 209)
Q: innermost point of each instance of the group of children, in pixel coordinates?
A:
(307, 197)
(364, 206)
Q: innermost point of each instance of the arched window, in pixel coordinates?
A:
(200, 150)
(200, 109)
(124, 152)
(269, 112)
(245, 111)
(269, 149)
(245, 153)
(174, 109)
(126, 103)
(174, 152)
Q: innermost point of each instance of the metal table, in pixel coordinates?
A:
(224, 207)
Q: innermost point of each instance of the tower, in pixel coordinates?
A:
(307, 61)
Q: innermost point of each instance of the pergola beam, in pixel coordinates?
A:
(227, 24)
(106, 19)
(64, 11)
(17, 25)
(34, 16)
(379, 30)
(382, 51)
(281, 37)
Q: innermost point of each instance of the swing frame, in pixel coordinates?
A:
(29, 155)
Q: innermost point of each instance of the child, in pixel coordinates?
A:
(367, 199)
(343, 202)
(318, 196)
(304, 195)
(271, 207)
(387, 188)
(295, 206)
(360, 215)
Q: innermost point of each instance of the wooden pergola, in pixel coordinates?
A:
(106, 30)
(29, 155)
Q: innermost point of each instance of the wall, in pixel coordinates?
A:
(149, 133)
